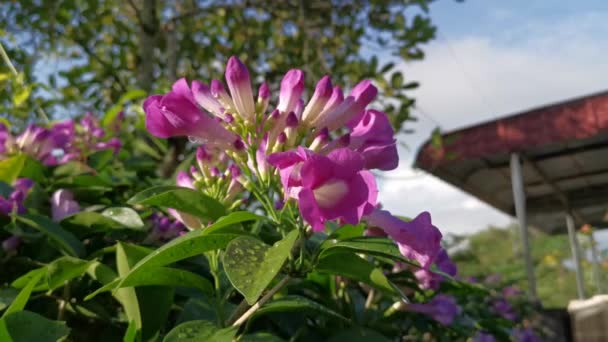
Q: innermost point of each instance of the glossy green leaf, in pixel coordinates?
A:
(24, 295)
(7, 295)
(165, 276)
(191, 244)
(131, 333)
(251, 265)
(64, 269)
(183, 199)
(200, 331)
(98, 222)
(10, 168)
(294, 303)
(125, 216)
(26, 326)
(32, 169)
(128, 294)
(260, 337)
(64, 240)
(365, 245)
(352, 266)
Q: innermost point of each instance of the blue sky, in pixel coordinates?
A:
(493, 58)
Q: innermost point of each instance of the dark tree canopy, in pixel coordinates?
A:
(87, 53)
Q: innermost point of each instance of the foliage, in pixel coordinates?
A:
(496, 251)
(102, 48)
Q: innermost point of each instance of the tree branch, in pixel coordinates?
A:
(261, 302)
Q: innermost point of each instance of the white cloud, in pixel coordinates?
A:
(466, 80)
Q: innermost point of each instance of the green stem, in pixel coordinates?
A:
(214, 264)
(13, 70)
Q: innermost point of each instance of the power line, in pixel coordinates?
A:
(464, 72)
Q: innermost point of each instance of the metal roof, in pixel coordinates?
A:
(564, 147)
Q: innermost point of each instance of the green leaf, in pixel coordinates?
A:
(165, 276)
(26, 326)
(32, 169)
(193, 243)
(21, 95)
(131, 333)
(200, 331)
(397, 80)
(298, 304)
(183, 199)
(7, 295)
(148, 306)
(352, 266)
(23, 296)
(65, 241)
(128, 295)
(100, 159)
(251, 265)
(96, 222)
(260, 337)
(10, 168)
(25, 279)
(226, 223)
(125, 216)
(64, 269)
(112, 113)
(366, 245)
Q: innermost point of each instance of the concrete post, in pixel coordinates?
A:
(519, 198)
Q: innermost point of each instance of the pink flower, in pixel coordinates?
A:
(188, 220)
(321, 96)
(372, 136)
(442, 308)
(63, 205)
(176, 114)
(332, 187)
(239, 83)
(418, 239)
(292, 87)
(349, 110)
(11, 244)
(202, 96)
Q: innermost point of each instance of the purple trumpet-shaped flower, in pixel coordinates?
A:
(431, 280)
(14, 202)
(63, 205)
(11, 244)
(525, 335)
(204, 98)
(442, 308)
(176, 114)
(292, 87)
(332, 187)
(503, 308)
(483, 337)
(418, 239)
(163, 229)
(322, 94)
(239, 83)
(373, 137)
(190, 221)
(349, 110)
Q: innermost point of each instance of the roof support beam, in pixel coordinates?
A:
(580, 286)
(558, 192)
(519, 197)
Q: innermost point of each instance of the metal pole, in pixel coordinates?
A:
(580, 287)
(597, 276)
(519, 197)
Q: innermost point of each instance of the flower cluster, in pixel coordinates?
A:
(60, 143)
(163, 228)
(14, 202)
(320, 152)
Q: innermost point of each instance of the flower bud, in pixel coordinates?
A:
(292, 87)
(322, 94)
(239, 83)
